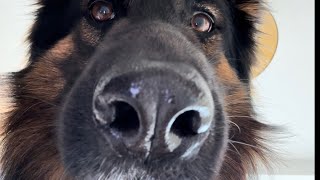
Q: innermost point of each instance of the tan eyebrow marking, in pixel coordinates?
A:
(212, 9)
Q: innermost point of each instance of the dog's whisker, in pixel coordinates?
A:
(240, 117)
(235, 103)
(235, 148)
(102, 164)
(242, 143)
(235, 124)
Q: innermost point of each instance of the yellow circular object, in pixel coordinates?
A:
(267, 43)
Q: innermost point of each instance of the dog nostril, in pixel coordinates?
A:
(186, 124)
(125, 119)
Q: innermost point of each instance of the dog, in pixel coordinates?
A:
(137, 89)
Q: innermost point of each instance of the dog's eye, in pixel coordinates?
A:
(102, 10)
(202, 22)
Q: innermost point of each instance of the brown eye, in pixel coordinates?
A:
(202, 22)
(102, 10)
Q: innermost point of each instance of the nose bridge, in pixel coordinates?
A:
(150, 40)
(155, 9)
(128, 44)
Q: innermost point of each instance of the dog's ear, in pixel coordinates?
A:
(255, 38)
(264, 33)
(252, 8)
(54, 20)
(241, 39)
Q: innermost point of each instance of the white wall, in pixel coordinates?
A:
(285, 89)
(15, 18)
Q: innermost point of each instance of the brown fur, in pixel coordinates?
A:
(243, 148)
(89, 34)
(50, 80)
(34, 140)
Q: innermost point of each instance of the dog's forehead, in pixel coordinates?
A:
(155, 7)
(171, 10)
(156, 2)
(163, 6)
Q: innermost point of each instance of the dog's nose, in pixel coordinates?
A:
(154, 111)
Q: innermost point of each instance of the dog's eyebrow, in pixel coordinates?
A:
(210, 7)
(213, 9)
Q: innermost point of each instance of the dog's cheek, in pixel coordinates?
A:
(88, 34)
(213, 47)
(236, 98)
(45, 80)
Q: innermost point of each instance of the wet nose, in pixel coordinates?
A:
(154, 112)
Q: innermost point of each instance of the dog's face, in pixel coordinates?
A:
(137, 89)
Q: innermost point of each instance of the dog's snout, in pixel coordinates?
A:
(154, 111)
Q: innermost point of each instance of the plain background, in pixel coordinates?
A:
(285, 89)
